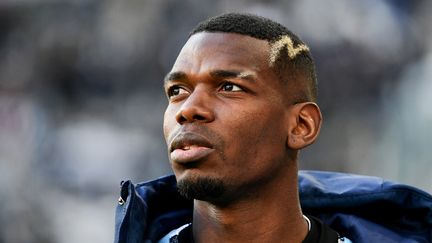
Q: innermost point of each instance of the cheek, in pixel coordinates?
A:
(256, 150)
(169, 122)
(259, 134)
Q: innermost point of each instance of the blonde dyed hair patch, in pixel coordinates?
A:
(276, 48)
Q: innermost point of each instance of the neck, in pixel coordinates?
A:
(272, 215)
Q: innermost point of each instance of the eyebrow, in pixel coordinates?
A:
(233, 74)
(175, 76)
(249, 76)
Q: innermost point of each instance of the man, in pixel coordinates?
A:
(242, 103)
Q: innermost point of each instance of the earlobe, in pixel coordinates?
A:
(304, 125)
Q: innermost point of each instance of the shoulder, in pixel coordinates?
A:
(359, 206)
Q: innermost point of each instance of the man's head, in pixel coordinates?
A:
(241, 96)
(289, 57)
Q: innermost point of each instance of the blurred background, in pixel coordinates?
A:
(81, 99)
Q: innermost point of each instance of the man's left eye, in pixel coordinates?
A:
(231, 87)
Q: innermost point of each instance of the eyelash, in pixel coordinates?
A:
(170, 91)
(234, 85)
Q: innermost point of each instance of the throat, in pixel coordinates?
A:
(246, 223)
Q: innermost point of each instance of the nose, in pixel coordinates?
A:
(196, 108)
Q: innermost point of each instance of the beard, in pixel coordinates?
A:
(204, 189)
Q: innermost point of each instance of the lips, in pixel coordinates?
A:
(189, 147)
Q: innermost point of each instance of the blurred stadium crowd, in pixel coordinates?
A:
(81, 99)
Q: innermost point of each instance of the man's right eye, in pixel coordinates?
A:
(175, 91)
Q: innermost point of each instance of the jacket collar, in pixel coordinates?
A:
(363, 208)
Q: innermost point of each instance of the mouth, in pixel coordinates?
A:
(189, 147)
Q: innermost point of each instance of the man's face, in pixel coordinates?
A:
(225, 124)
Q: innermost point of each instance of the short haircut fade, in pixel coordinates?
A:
(258, 27)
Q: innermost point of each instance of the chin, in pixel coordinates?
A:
(202, 188)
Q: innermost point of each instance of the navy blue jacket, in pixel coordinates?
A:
(362, 208)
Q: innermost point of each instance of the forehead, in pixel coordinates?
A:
(209, 51)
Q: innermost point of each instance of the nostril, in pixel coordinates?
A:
(181, 119)
(198, 117)
(193, 112)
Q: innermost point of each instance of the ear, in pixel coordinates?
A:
(304, 125)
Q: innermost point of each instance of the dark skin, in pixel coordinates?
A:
(230, 118)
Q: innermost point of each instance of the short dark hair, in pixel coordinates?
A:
(288, 66)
